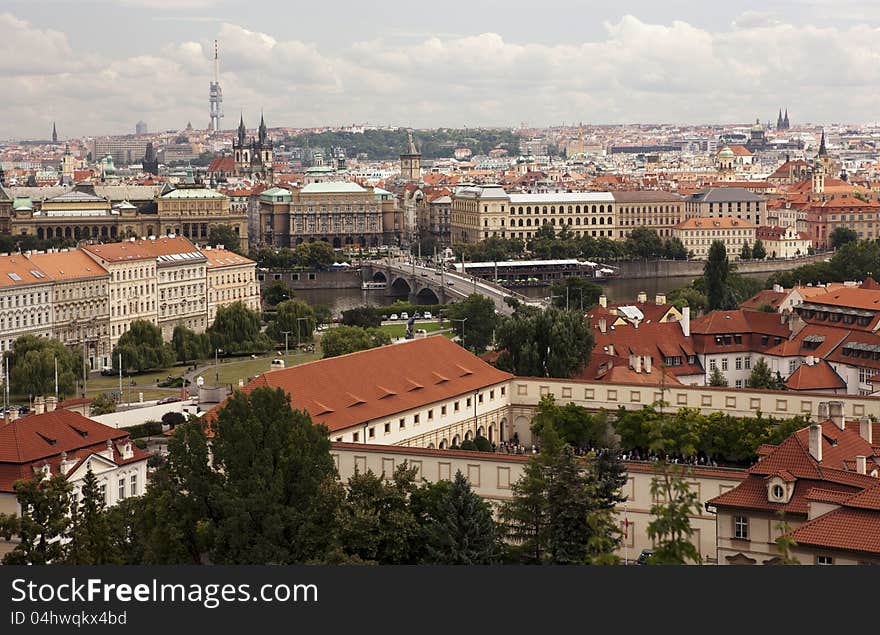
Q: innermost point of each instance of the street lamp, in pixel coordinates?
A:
(286, 333)
(462, 320)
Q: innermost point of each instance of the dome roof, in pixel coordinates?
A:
(726, 153)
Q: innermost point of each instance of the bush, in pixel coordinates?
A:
(145, 429)
(140, 444)
(173, 419)
(467, 444)
(483, 444)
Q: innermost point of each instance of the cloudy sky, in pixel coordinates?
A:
(98, 66)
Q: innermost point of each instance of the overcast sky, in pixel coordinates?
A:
(98, 66)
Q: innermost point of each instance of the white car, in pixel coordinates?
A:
(393, 316)
(404, 316)
(427, 315)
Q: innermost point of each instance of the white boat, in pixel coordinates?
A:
(373, 285)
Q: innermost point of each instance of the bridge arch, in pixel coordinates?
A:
(401, 286)
(427, 295)
(379, 276)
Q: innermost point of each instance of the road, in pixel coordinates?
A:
(461, 285)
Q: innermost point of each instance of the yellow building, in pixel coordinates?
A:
(231, 278)
(698, 234)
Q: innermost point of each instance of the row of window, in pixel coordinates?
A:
(25, 299)
(740, 363)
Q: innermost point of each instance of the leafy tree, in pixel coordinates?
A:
(675, 249)
(348, 339)
(717, 378)
(644, 243)
(102, 404)
(271, 463)
(363, 316)
(759, 252)
(785, 542)
(746, 252)
(762, 377)
(574, 424)
(224, 235)
(841, 236)
(688, 296)
(609, 473)
(478, 313)
(295, 316)
(173, 419)
(236, 330)
(189, 345)
(142, 348)
(526, 515)
(463, 530)
(314, 255)
(671, 527)
(550, 343)
(716, 272)
(323, 314)
(43, 524)
(91, 542)
(277, 292)
(575, 293)
(32, 367)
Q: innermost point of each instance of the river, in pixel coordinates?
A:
(620, 290)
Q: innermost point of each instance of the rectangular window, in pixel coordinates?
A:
(739, 363)
(491, 394)
(468, 403)
(741, 527)
(355, 437)
(739, 383)
(134, 484)
(121, 488)
(430, 414)
(416, 419)
(792, 365)
(480, 398)
(103, 489)
(455, 407)
(502, 391)
(712, 364)
(372, 432)
(824, 560)
(724, 364)
(748, 363)
(388, 428)
(442, 411)
(401, 424)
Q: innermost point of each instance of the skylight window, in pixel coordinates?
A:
(37, 274)
(15, 277)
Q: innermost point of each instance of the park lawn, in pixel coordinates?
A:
(396, 331)
(233, 369)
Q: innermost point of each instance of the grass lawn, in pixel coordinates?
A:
(397, 331)
(233, 369)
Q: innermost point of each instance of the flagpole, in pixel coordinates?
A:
(625, 536)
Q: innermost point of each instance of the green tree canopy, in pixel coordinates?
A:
(142, 348)
(644, 242)
(763, 378)
(44, 523)
(746, 252)
(314, 255)
(224, 235)
(363, 316)
(717, 378)
(671, 528)
(342, 340)
(841, 236)
(294, 316)
(190, 346)
(478, 313)
(549, 343)
(277, 292)
(236, 330)
(716, 272)
(575, 293)
(32, 367)
(91, 541)
(759, 252)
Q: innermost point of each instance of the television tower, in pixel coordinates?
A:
(216, 94)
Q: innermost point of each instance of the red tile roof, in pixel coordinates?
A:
(820, 376)
(352, 389)
(845, 528)
(68, 265)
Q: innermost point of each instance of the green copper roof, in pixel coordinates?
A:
(22, 203)
(195, 192)
(332, 187)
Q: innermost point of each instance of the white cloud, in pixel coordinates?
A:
(635, 72)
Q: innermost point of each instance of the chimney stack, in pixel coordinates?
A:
(647, 363)
(777, 288)
(642, 297)
(816, 442)
(686, 321)
(862, 464)
(611, 349)
(603, 325)
(865, 430)
(660, 299)
(39, 405)
(823, 411)
(51, 403)
(835, 410)
(603, 301)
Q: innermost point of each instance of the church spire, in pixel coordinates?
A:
(263, 133)
(823, 151)
(54, 133)
(242, 131)
(779, 120)
(785, 122)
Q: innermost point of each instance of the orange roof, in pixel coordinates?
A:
(851, 297)
(16, 271)
(845, 528)
(740, 151)
(352, 389)
(740, 321)
(723, 222)
(767, 296)
(142, 249)
(67, 265)
(817, 377)
(224, 258)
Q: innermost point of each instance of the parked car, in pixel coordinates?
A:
(168, 400)
(427, 315)
(644, 556)
(404, 316)
(393, 316)
(417, 316)
(107, 371)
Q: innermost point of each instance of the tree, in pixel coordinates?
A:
(348, 339)
(190, 346)
(363, 316)
(762, 377)
(236, 330)
(91, 542)
(173, 419)
(675, 249)
(294, 316)
(715, 273)
(746, 252)
(785, 542)
(688, 296)
(671, 527)
(224, 235)
(526, 514)
(841, 236)
(142, 348)
(463, 531)
(609, 473)
(271, 463)
(549, 343)
(323, 314)
(717, 378)
(644, 243)
(102, 404)
(43, 524)
(32, 367)
(277, 292)
(758, 251)
(314, 255)
(573, 423)
(575, 293)
(474, 321)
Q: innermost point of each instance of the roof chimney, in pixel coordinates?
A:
(816, 442)
(603, 325)
(611, 349)
(823, 411)
(865, 430)
(51, 403)
(686, 321)
(660, 299)
(862, 464)
(835, 411)
(39, 405)
(603, 301)
(642, 297)
(647, 363)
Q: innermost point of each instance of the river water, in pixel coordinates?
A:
(619, 290)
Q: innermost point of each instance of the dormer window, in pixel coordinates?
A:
(777, 491)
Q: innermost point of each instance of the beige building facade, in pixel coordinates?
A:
(231, 278)
(25, 301)
(698, 234)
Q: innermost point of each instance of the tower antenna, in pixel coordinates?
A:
(216, 93)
